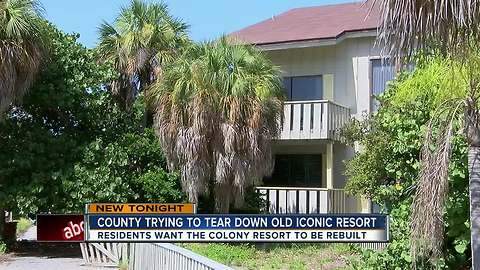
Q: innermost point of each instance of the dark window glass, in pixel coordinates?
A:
(287, 87)
(296, 171)
(303, 88)
(307, 88)
(382, 73)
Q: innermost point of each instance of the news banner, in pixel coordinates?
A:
(111, 222)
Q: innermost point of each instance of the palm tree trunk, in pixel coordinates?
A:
(222, 198)
(472, 124)
(474, 175)
(145, 82)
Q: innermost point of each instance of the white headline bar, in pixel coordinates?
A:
(222, 235)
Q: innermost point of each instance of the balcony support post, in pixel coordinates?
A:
(329, 165)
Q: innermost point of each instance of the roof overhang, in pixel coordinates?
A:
(316, 42)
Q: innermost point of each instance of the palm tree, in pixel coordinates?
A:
(21, 53)
(217, 109)
(449, 27)
(143, 38)
(20, 49)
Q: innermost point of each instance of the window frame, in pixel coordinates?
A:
(304, 76)
(274, 180)
(370, 78)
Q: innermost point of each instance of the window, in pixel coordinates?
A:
(303, 88)
(296, 171)
(382, 72)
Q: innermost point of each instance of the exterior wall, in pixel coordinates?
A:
(346, 71)
(348, 61)
(341, 152)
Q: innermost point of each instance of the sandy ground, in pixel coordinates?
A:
(29, 235)
(14, 262)
(28, 255)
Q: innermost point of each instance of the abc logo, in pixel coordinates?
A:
(72, 230)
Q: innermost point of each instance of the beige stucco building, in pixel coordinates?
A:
(332, 70)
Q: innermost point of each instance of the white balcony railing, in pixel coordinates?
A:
(315, 119)
(146, 256)
(293, 200)
(303, 200)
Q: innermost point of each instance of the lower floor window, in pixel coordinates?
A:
(296, 171)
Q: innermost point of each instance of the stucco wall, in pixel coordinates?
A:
(341, 152)
(348, 61)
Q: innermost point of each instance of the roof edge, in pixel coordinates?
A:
(316, 42)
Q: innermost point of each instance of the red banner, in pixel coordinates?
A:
(60, 228)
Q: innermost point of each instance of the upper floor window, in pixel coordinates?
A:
(303, 87)
(382, 72)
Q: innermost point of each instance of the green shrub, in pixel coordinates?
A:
(23, 225)
(3, 248)
(254, 203)
(128, 169)
(123, 265)
(387, 168)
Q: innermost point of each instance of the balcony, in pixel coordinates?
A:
(315, 119)
(303, 200)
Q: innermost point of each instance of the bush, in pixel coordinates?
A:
(128, 169)
(387, 168)
(23, 225)
(3, 248)
(254, 203)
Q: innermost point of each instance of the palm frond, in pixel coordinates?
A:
(448, 27)
(428, 207)
(217, 108)
(409, 26)
(141, 41)
(21, 49)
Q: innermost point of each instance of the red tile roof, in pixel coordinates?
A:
(321, 22)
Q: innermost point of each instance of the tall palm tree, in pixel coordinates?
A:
(20, 49)
(142, 39)
(217, 109)
(450, 27)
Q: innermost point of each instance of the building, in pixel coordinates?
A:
(331, 70)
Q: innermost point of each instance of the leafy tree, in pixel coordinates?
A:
(450, 28)
(129, 168)
(143, 38)
(388, 167)
(216, 111)
(70, 143)
(21, 49)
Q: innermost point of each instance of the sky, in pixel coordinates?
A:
(208, 19)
